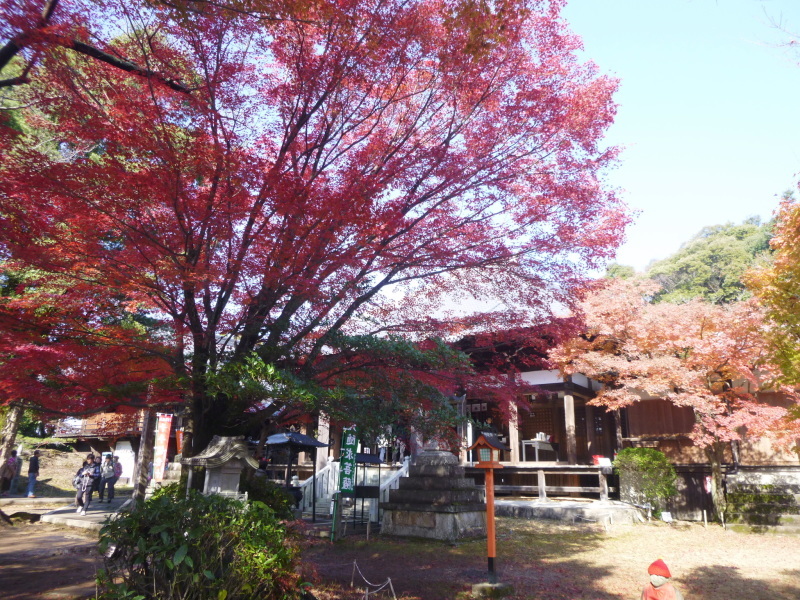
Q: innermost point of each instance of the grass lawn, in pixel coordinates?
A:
(549, 560)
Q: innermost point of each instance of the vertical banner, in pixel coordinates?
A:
(160, 449)
(179, 440)
(347, 462)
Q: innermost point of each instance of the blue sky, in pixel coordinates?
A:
(709, 111)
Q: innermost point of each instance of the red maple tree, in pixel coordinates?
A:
(268, 184)
(714, 359)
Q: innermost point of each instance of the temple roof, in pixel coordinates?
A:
(220, 451)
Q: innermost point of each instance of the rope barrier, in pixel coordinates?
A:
(378, 586)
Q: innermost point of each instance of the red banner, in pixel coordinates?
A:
(160, 450)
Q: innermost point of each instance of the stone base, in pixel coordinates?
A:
(491, 590)
(430, 524)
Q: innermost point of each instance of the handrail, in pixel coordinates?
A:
(326, 484)
(391, 483)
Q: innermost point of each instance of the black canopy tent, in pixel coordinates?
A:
(298, 442)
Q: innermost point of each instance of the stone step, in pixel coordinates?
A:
(436, 483)
(455, 471)
(774, 519)
(436, 497)
(775, 529)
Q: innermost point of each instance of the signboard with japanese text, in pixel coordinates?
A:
(347, 462)
(162, 441)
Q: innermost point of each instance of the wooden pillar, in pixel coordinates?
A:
(569, 425)
(618, 430)
(591, 440)
(302, 457)
(542, 485)
(603, 486)
(464, 429)
(513, 433)
(323, 435)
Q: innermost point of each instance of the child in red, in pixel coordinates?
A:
(659, 587)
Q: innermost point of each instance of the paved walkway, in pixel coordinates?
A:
(65, 513)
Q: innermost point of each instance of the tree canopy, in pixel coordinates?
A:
(714, 359)
(282, 179)
(777, 286)
(711, 265)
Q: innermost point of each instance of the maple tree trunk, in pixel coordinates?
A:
(715, 453)
(9, 435)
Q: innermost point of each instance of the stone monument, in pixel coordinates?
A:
(224, 459)
(435, 501)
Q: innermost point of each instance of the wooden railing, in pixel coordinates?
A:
(110, 426)
(542, 489)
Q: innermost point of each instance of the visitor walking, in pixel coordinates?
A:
(33, 473)
(8, 471)
(98, 468)
(660, 588)
(107, 479)
(84, 484)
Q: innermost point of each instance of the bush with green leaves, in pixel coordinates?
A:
(260, 489)
(198, 548)
(646, 477)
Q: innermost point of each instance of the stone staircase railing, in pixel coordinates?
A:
(328, 480)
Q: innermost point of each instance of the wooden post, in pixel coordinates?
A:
(618, 429)
(569, 423)
(542, 485)
(513, 433)
(603, 485)
(491, 551)
(591, 439)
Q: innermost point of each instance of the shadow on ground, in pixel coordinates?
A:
(727, 582)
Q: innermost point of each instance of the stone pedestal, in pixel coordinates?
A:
(435, 501)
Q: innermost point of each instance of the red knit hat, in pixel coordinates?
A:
(659, 567)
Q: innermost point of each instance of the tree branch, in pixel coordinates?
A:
(125, 65)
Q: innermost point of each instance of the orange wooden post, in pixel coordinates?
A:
(488, 447)
(491, 550)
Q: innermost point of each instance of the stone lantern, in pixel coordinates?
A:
(224, 459)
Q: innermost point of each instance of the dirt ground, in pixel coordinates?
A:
(44, 562)
(56, 469)
(543, 560)
(550, 561)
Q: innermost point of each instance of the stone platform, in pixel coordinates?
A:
(435, 501)
(605, 512)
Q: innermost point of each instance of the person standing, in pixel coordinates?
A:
(98, 468)
(8, 471)
(106, 479)
(33, 473)
(117, 469)
(84, 485)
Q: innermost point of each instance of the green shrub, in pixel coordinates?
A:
(197, 548)
(646, 477)
(262, 490)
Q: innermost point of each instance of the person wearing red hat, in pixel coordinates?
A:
(660, 588)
